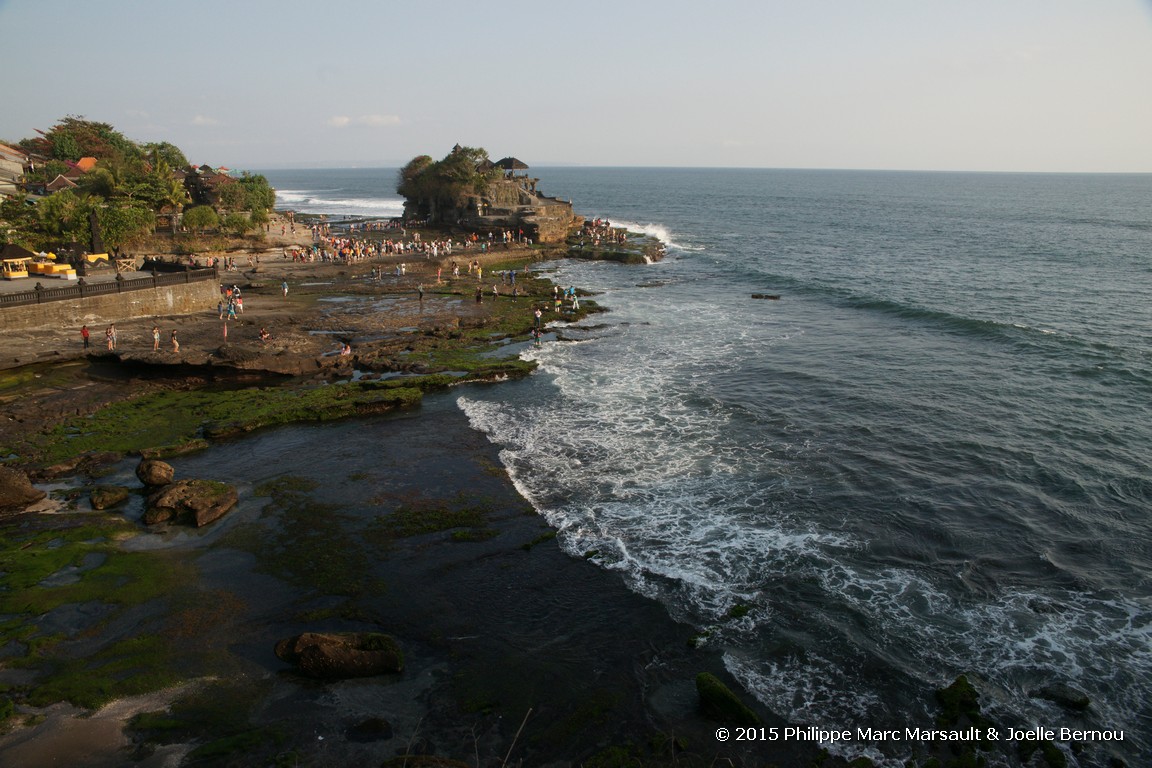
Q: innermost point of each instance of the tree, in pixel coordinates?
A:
(98, 182)
(412, 177)
(19, 223)
(163, 152)
(64, 146)
(231, 196)
(78, 137)
(259, 195)
(435, 188)
(235, 223)
(64, 217)
(123, 226)
(258, 217)
(201, 217)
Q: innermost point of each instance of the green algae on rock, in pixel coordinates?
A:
(719, 703)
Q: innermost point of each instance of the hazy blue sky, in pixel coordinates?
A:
(1017, 85)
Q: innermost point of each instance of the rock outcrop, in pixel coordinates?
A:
(195, 502)
(342, 655)
(107, 496)
(16, 491)
(719, 703)
(1064, 695)
(155, 473)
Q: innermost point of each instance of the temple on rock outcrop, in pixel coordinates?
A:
(469, 191)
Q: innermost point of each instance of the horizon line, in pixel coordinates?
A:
(365, 167)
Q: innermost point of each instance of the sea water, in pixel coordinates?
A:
(928, 457)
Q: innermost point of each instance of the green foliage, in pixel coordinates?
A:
(66, 147)
(75, 137)
(64, 216)
(19, 222)
(123, 226)
(412, 177)
(444, 185)
(259, 194)
(163, 152)
(98, 182)
(258, 217)
(201, 217)
(235, 223)
(128, 181)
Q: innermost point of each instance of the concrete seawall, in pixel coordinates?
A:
(162, 301)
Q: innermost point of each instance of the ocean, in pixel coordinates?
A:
(928, 457)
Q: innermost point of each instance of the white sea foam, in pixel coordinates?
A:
(333, 203)
(631, 454)
(658, 231)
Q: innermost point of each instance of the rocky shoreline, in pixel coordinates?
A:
(361, 585)
(511, 648)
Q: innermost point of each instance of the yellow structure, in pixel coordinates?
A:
(14, 269)
(51, 269)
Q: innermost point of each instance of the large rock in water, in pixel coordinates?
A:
(1064, 695)
(719, 703)
(155, 473)
(106, 496)
(340, 655)
(196, 502)
(16, 491)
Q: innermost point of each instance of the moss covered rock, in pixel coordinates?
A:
(719, 703)
(108, 496)
(195, 502)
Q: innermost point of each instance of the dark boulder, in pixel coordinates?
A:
(720, 704)
(372, 729)
(1064, 695)
(337, 656)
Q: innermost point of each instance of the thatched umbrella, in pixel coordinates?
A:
(512, 164)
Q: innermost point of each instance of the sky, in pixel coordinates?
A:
(964, 85)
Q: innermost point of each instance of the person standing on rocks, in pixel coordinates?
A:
(284, 288)
(175, 343)
(155, 338)
(84, 334)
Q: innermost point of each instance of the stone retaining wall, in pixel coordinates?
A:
(165, 300)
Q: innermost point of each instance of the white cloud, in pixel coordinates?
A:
(205, 120)
(339, 121)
